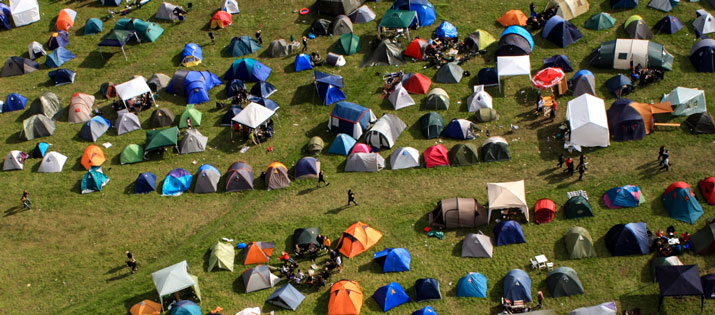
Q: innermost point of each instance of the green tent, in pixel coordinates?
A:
(397, 19)
(147, 31)
(485, 114)
(563, 281)
(315, 145)
(579, 243)
(242, 45)
(46, 104)
(437, 99)
(132, 153)
(93, 180)
(663, 261)
(494, 149)
(449, 73)
(156, 139)
(577, 207)
(347, 44)
(37, 126)
(703, 241)
(600, 21)
(432, 125)
(305, 237)
(463, 155)
(222, 255)
(192, 114)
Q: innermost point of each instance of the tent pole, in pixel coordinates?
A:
(125, 54)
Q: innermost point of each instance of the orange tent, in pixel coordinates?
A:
(512, 17)
(345, 298)
(357, 239)
(220, 19)
(257, 253)
(93, 156)
(648, 110)
(65, 20)
(145, 307)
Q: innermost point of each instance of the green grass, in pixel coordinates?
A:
(65, 255)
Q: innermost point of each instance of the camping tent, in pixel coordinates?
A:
(356, 239)
(58, 57)
(700, 123)
(463, 155)
(52, 162)
(432, 125)
(127, 122)
(37, 126)
(460, 129)
(624, 196)
(276, 176)
(349, 118)
(191, 55)
(39, 150)
(243, 45)
(680, 202)
(158, 81)
(341, 25)
(686, 101)
(363, 14)
(192, 115)
(364, 162)
(704, 23)
(577, 207)
(386, 54)
(207, 178)
(15, 160)
(145, 183)
(220, 19)
(627, 239)
(302, 62)
(583, 82)
(24, 12)
(345, 297)
(194, 85)
(494, 149)
(93, 180)
(92, 156)
(320, 27)
(147, 31)
(707, 188)
(515, 41)
(161, 117)
(132, 153)
(360, 148)
(239, 176)
(600, 21)
(337, 7)
(607, 308)
(221, 256)
(278, 48)
(166, 11)
(702, 55)
(347, 44)
(400, 98)
(427, 289)
(247, 70)
(259, 278)
(512, 17)
(558, 61)
(449, 73)
(679, 281)
(544, 210)
(477, 245)
(703, 241)
(517, 286)
(145, 307)
(708, 282)
(479, 99)
(65, 20)
(427, 310)
(435, 155)
(392, 259)
(193, 142)
(94, 128)
(390, 295)
(18, 66)
(662, 5)
(385, 131)
(626, 53)
(625, 121)
(636, 28)
(57, 39)
(619, 85)
(230, 6)
(507, 195)
(416, 49)
(286, 297)
(579, 243)
(315, 145)
(624, 4)
(508, 66)
(328, 87)
(176, 182)
(307, 167)
(416, 83)
(256, 253)
(568, 9)
(508, 232)
(563, 281)
(342, 144)
(93, 26)
(658, 261)
(474, 284)
(5, 15)
(424, 9)
(397, 20)
(560, 32)
(437, 99)
(303, 237)
(446, 30)
(80, 109)
(588, 122)
(185, 307)
(457, 213)
(404, 157)
(35, 50)
(253, 115)
(479, 40)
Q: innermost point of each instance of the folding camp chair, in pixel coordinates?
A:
(534, 265)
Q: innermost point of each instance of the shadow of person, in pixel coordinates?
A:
(308, 190)
(337, 210)
(14, 210)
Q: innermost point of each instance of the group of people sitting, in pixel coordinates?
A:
(537, 20)
(254, 136)
(314, 276)
(646, 76)
(668, 243)
(135, 104)
(441, 51)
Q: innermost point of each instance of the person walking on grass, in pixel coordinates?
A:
(665, 163)
(321, 179)
(131, 262)
(664, 156)
(540, 298)
(570, 168)
(25, 199)
(660, 152)
(561, 161)
(258, 37)
(305, 44)
(351, 197)
(581, 171)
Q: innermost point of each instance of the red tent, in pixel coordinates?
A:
(417, 84)
(416, 49)
(436, 155)
(220, 19)
(544, 210)
(360, 148)
(707, 188)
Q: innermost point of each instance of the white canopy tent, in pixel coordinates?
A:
(508, 66)
(133, 88)
(588, 122)
(24, 12)
(479, 99)
(507, 195)
(174, 279)
(253, 115)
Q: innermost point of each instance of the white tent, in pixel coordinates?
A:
(629, 51)
(174, 279)
(400, 98)
(166, 11)
(507, 195)
(127, 122)
(385, 131)
(364, 162)
(230, 6)
(253, 115)
(686, 101)
(52, 162)
(15, 160)
(569, 9)
(508, 66)
(479, 99)
(404, 157)
(35, 50)
(133, 88)
(608, 308)
(250, 311)
(588, 122)
(705, 23)
(24, 12)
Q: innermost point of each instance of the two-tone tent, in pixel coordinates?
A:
(427, 289)
(702, 55)
(508, 232)
(700, 123)
(625, 54)
(158, 81)
(357, 238)
(247, 70)
(65, 20)
(707, 188)
(161, 138)
(127, 122)
(145, 183)
(93, 26)
(345, 297)
(37, 126)
(393, 259)
(94, 128)
(479, 99)
(230, 6)
(679, 281)
(147, 31)
(145, 307)
(92, 156)
(287, 297)
(517, 286)
(58, 39)
(563, 281)
(385, 131)
(477, 245)
(588, 122)
(242, 45)
(512, 17)
(207, 178)
(703, 241)
(560, 32)
(253, 115)
(363, 14)
(577, 207)
(185, 307)
(474, 285)
(390, 296)
(52, 162)
(239, 177)
(61, 77)
(191, 55)
(463, 155)
(544, 210)
(276, 176)
(579, 243)
(479, 40)
(132, 153)
(437, 99)
(176, 182)
(627, 196)
(337, 7)
(449, 73)
(256, 253)
(679, 200)
(80, 109)
(627, 239)
(658, 261)
(24, 12)
(416, 49)
(457, 213)
(220, 19)
(221, 256)
(494, 149)
(424, 9)
(35, 50)
(568, 9)
(161, 117)
(39, 150)
(515, 41)
(194, 85)
(350, 119)
(193, 142)
(342, 144)
(431, 125)
(435, 155)
(259, 278)
(686, 101)
(427, 310)
(364, 162)
(166, 12)
(404, 157)
(460, 129)
(386, 54)
(607, 308)
(583, 82)
(636, 28)
(15, 160)
(341, 25)
(507, 195)
(18, 66)
(93, 180)
(278, 48)
(704, 23)
(328, 87)
(600, 21)
(307, 167)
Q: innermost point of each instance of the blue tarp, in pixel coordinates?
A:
(682, 205)
(518, 30)
(176, 182)
(517, 286)
(302, 62)
(342, 144)
(508, 232)
(13, 101)
(474, 284)
(393, 259)
(191, 55)
(145, 183)
(446, 30)
(306, 166)
(232, 111)
(427, 289)
(58, 57)
(352, 113)
(390, 295)
(247, 70)
(424, 9)
(627, 239)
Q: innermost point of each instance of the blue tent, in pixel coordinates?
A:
(393, 259)
(627, 239)
(624, 121)
(185, 307)
(560, 32)
(581, 73)
(111, 3)
(474, 284)
(93, 180)
(424, 9)
(193, 84)
(39, 150)
(13, 101)
(302, 62)
(5, 15)
(232, 111)
(458, 129)
(94, 128)
(558, 61)
(61, 76)
(427, 289)
(263, 89)
(176, 182)
(307, 167)
(266, 102)
(517, 286)
(58, 57)
(446, 30)
(331, 79)
(349, 118)
(680, 202)
(427, 310)
(242, 45)
(92, 26)
(342, 144)
(487, 76)
(191, 55)
(668, 25)
(702, 55)
(624, 4)
(508, 232)
(518, 30)
(328, 87)
(233, 87)
(390, 295)
(145, 183)
(287, 297)
(624, 196)
(58, 39)
(247, 70)
(617, 83)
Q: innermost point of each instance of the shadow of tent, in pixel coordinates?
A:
(97, 60)
(457, 250)
(77, 187)
(305, 94)
(225, 143)
(495, 295)
(415, 130)
(14, 138)
(176, 59)
(322, 300)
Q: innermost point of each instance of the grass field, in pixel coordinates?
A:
(66, 255)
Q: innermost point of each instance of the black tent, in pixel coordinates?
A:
(337, 7)
(386, 54)
(679, 281)
(708, 282)
(321, 27)
(638, 30)
(513, 45)
(161, 117)
(700, 123)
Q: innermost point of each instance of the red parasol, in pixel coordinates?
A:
(547, 78)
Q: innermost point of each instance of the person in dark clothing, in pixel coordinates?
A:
(561, 161)
(212, 37)
(568, 163)
(665, 163)
(664, 157)
(581, 160)
(540, 295)
(321, 179)
(25, 199)
(570, 169)
(351, 197)
(131, 262)
(258, 37)
(661, 151)
(531, 9)
(312, 252)
(581, 171)
(305, 44)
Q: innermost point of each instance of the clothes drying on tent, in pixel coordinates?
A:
(239, 177)
(680, 202)
(477, 245)
(286, 297)
(93, 180)
(686, 101)
(702, 55)
(424, 9)
(363, 14)
(517, 286)
(220, 19)
(435, 155)
(600, 21)
(636, 28)
(560, 32)
(341, 25)
(390, 296)
(512, 17)
(515, 41)
(247, 70)
(351, 119)
(345, 295)
(393, 259)
(94, 128)
(579, 243)
(460, 129)
(386, 54)
(449, 73)
(52, 162)
(457, 213)
(356, 239)
(563, 281)
(13, 102)
(243, 45)
(93, 26)
(508, 232)
(193, 85)
(463, 155)
(544, 210)
(176, 182)
(625, 54)
(37, 126)
(437, 99)
(416, 49)
(627, 239)
(259, 278)
(558, 61)
(147, 31)
(700, 123)
(583, 82)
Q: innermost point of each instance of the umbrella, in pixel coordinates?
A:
(547, 78)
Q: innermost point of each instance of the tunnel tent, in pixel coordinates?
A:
(453, 213)
(385, 131)
(626, 53)
(364, 162)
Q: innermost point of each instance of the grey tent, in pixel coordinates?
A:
(583, 83)
(449, 73)
(485, 115)
(363, 14)
(276, 176)
(477, 246)
(158, 81)
(385, 131)
(662, 5)
(386, 54)
(364, 162)
(404, 157)
(239, 177)
(207, 181)
(127, 122)
(286, 297)
(175, 278)
(193, 142)
(161, 117)
(37, 126)
(341, 25)
(704, 23)
(259, 278)
(437, 99)
(337, 7)
(638, 30)
(166, 12)
(46, 104)
(458, 213)
(277, 48)
(321, 27)
(18, 66)
(607, 308)
(400, 98)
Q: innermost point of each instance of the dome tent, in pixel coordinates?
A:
(390, 296)
(52, 162)
(494, 149)
(577, 207)
(508, 232)
(363, 14)
(600, 21)
(627, 239)
(278, 48)
(668, 24)
(463, 155)
(437, 99)
(239, 176)
(680, 202)
(424, 9)
(579, 243)
(702, 55)
(474, 284)
(307, 167)
(404, 157)
(435, 155)
(145, 183)
(563, 281)
(287, 297)
(80, 109)
(560, 32)
(477, 245)
(517, 286)
(15, 160)
(13, 102)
